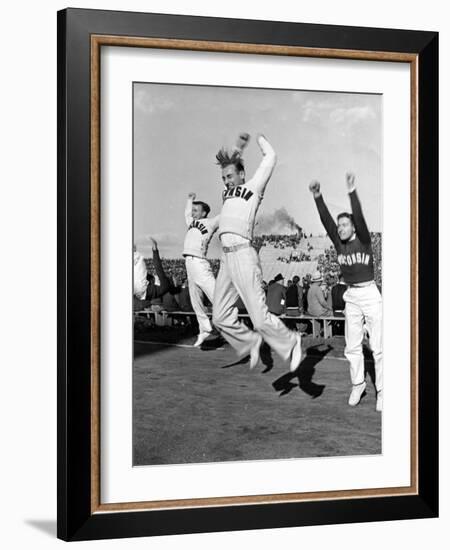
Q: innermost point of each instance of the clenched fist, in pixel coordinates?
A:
(153, 243)
(242, 141)
(192, 196)
(314, 187)
(350, 179)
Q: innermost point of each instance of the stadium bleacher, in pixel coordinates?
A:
(271, 264)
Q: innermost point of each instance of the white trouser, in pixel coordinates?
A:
(240, 274)
(363, 304)
(201, 280)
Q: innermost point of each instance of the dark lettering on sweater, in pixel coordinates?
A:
(238, 192)
(355, 256)
(197, 224)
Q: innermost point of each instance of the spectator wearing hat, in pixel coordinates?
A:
(276, 296)
(317, 304)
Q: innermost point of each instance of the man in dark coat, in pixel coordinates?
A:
(337, 295)
(276, 296)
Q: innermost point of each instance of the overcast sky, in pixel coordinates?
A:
(317, 135)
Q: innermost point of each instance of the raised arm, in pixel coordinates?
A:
(152, 292)
(265, 169)
(358, 218)
(325, 216)
(188, 209)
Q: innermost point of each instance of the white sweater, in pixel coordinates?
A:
(199, 233)
(241, 203)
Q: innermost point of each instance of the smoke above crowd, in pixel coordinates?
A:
(279, 222)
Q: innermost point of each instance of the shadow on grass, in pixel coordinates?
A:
(265, 355)
(304, 374)
(242, 361)
(212, 343)
(154, 339)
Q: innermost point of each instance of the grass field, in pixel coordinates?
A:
(197, 406)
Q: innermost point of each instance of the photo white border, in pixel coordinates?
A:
(120, 482)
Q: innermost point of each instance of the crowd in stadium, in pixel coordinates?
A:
(327, 262)
(278, 241)
(317, 294)
(175, 268)
(297, 257)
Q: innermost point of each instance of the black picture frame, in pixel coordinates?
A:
(76, 521)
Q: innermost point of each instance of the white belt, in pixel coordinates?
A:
(236, 247)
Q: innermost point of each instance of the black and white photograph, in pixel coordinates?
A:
(230, 221)
(257, 274)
